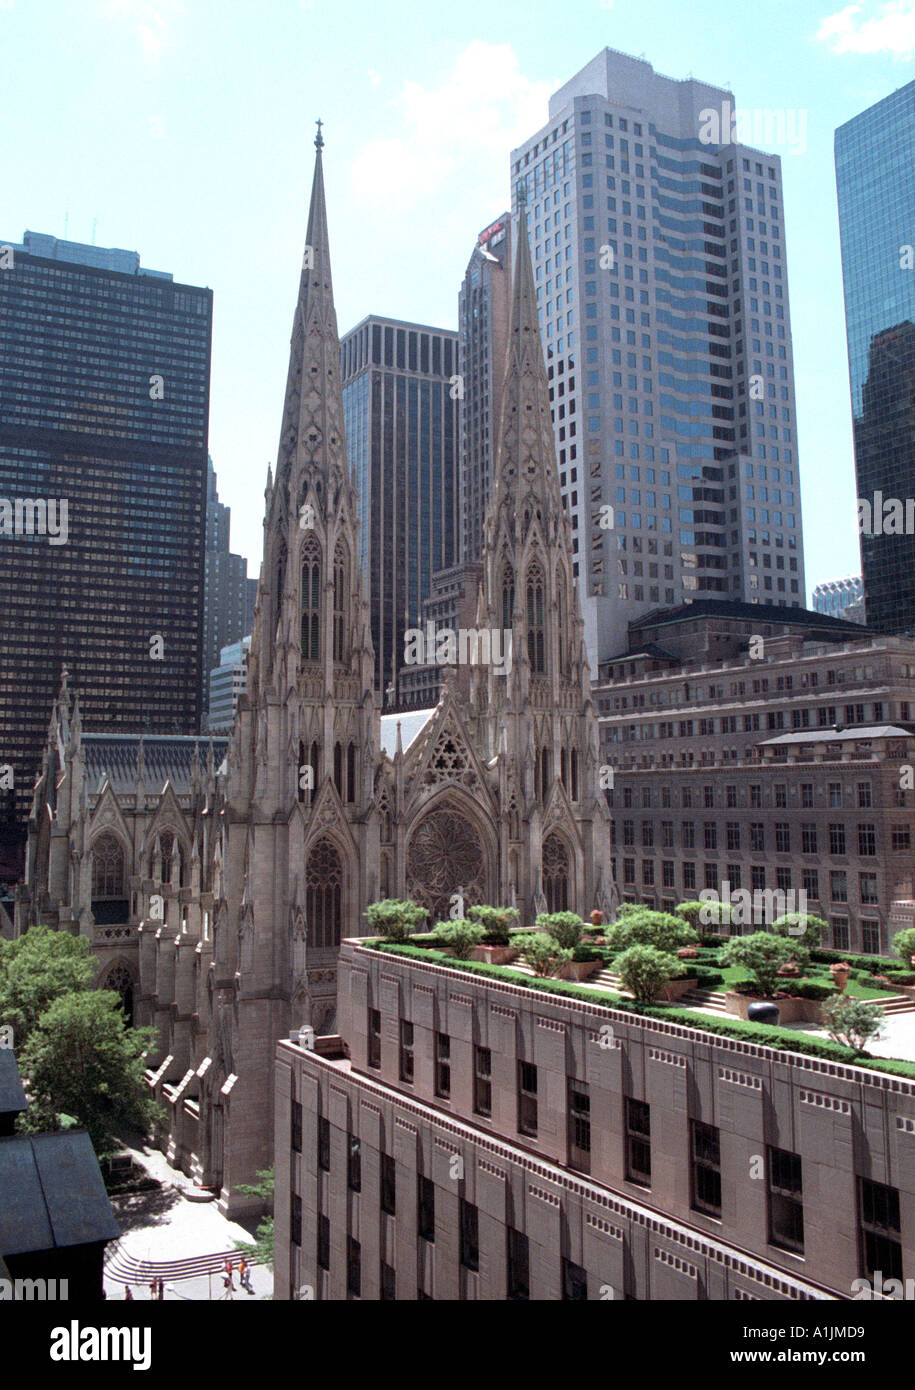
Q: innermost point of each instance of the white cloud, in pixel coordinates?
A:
(152, 20)
(890, 30)
(458, 131)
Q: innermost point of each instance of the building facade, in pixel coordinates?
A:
(400, 402)
(228, 682)
(464, 1138)
(319, 805)
(104, 374)
(662, 292)
(225, 603)
(841, 598)
(876, 193)
(780, 771)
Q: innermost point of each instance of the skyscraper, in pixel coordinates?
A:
(104, 378)
(483, 312)
(659, 255)
(876, 189)
(400, 402)
(225, 608)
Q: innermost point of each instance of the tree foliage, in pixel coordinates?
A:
(763, 953)
(802, 927)
(263, 1248)
(564, 927)
(459, 936)
(644, 970)
(37, 968)
(541, 952)
(395, 918)
(851, 1021)
(904, 945)
(661, 930)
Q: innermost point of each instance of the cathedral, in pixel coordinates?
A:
(215, 879)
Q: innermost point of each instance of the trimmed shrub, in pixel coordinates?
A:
(459, 936)
(564, 927)
(661, 930)
(395, 918)
(761, 954)
(496, 921)
(802, 927)
(645, 971)
(852, 1021)
(540, 951)
(904, 946)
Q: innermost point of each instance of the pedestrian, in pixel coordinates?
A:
(152, 1288)
(244, 1275)
(127, 1294)
(161, 1290)
(228, 1282)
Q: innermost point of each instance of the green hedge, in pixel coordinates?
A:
(782, 1039)
(874, 965)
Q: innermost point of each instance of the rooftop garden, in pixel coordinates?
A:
(656, 955)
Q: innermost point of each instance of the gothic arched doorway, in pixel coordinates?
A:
(555, 874)
(445, 857)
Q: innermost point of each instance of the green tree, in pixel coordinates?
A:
(496, 920)
(459, 936)
(644, 971)
(903, 945)
(852, 1021)
(802, 927)
(662, 930)
(541, 951)
(263, 1248)
(564, 927)
(395, 918)
(82, 1060)
(762, 953)
(37, 968)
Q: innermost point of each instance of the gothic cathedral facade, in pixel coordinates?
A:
(216, 882)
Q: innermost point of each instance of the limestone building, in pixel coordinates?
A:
(238, 878)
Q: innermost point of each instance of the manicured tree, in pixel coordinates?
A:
(394, 918)
(37, 968)
(662, 930)
(904, 945)
(690, 913)
(84, 1061)
(645, 971)
(802, 927)
(712, 914)
(540, 951)
(459, 936)
(565, 927)
(852, 1021)
(762, 953)
(497, 921)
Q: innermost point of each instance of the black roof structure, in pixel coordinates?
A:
(53, 1193)
(12, 1096)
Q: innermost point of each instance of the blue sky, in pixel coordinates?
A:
(183, 129)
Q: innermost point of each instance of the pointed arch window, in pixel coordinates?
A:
(107, 868)
(561, 634)
(555, 874)
(338, 768)
(536, 637)
(315, 764)
(564, 767)
(311, 600)
(508, 596)
(279, 582)
(544, 774)
(340, 568)
(323, 896)
(574, 792)
(351, 773)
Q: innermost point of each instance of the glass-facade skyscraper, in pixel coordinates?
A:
(875, 179)
(400, 405)
(659, 250)
(104, 384)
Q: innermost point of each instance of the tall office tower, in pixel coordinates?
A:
(484, 303)
(841, 598)
(400, 404)
(225, 605)
(659, 254)
(104, 379)
(876, 188)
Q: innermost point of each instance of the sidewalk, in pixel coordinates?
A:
(166, 1234)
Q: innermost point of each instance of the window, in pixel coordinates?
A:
(757, 836)
(574, 1283)
(296, 1220)
(782, 837)
(406, 1051)
(323, 1242)
(835, 795)
(519, 1277)
(579, 1126)
(354, 1165)
(706, 1168)
(902, 838)
(881, 1246)
(812, 883)
(442, 1065)
(864, 796)
(353, 1268)
(388, 1184)
(535, 624)
(638, 1142)
(426, 1208)
(840, 934)
(374, 1057)
(296, 1128)
(870, 938)
(711, 834)
(867, 840)
(323, 1144)
(311, 599)
(470, 1236)
(808, 839)
(482, 1081)
(837, 839)
(868, 888)
(527, 1098)
(786, 1207)
(388, 1283)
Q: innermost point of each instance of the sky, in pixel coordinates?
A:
(183, 129)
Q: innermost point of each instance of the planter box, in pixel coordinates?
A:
(790, 1010)
(494, 955)
(579, 969)
(675, 988)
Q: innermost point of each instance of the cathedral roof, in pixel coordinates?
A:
(166, 758)
(411, 726)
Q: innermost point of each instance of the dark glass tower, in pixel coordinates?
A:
(400, 402)
(875, 176)
(104, 384)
